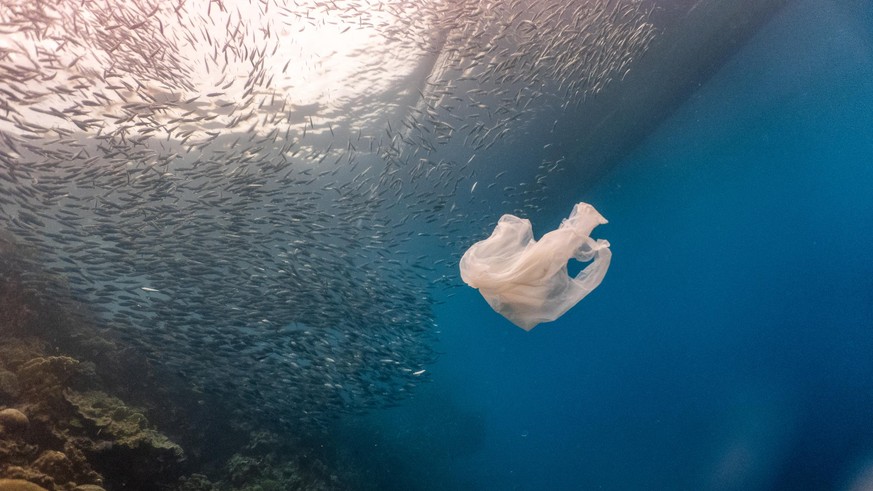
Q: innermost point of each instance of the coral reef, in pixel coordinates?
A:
(62, 436)
(35, 441)
(271, 463)
(120, 433)
(80, 411)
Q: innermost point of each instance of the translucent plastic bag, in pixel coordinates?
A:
(526, 280)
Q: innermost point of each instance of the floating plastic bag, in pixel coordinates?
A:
(525, 280)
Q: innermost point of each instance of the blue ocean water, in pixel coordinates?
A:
(730, 346)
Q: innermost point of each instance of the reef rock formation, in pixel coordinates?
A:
(119, 428)
(62, 436)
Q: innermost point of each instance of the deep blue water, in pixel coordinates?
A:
(730, 346)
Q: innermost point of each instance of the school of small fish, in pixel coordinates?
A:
(264, 196)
